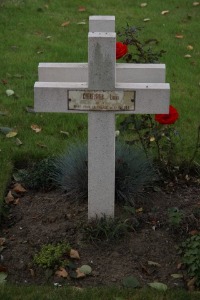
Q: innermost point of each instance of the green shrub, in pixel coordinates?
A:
(51, 255)
(38, 175)
(191, 256)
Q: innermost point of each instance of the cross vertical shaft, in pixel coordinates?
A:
(101, 125)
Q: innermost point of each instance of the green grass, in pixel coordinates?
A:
(31, 32)
(50, 293)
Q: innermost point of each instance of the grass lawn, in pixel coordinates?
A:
(57, 31)
(50, 293)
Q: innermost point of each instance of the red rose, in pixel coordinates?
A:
(169, 118)
(121, 50)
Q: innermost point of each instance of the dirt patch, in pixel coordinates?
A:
(41, 218)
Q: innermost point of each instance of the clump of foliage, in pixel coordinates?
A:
(143, 51)
(157, 140)
(105, 229)
(191, 257)
(38, 175)
(175, 217)
(133, 172)
(51, 255)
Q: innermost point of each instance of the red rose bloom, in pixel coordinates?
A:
(169, 118)
(121, 50)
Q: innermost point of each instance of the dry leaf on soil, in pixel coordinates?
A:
(36, 128)
(18, 188)
(74, 254)
(2, 241)
(62, 273)
(190, 284)
(9, 198)
(80, 274)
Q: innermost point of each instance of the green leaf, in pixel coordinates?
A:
(85, 269)
(158, 286)
(131, 282)
(3, 278)
(11, 134)
(176, 276)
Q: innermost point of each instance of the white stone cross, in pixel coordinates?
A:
(101, 88)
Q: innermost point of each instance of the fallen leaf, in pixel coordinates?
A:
(187, 55)
(18, 188)
(9, 93)
(62, 273)
(18, 142)
(131, 282)
(190, 47)
(146, 20)
(4, 81)
(65, 24)
(179, 266)
(65, 132)
(139, 210)
(9, 198)
(158, 286)
(194, 232)
(32, 272)
(177, 276)
(16, 201)
(41, 145)
(36, 128)
(74, 254)
(79, 274)
(2, 241)
(85, 269)
(30, 109)
(152, 139)
(11, 134)
(5, 130)
(82, 8)
(153, 263)
(190, 284)
(81, 23)
(179, 36)
(143, 4)
(195, 3)
(164, 12)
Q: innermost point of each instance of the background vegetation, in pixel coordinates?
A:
(33, 31)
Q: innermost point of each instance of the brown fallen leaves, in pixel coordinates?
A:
(14, 194)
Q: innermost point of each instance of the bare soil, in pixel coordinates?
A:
(50, 217)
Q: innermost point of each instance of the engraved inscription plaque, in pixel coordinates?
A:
(101, 100)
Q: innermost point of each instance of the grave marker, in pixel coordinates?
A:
(101, 88)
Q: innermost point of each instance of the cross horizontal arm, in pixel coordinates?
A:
(150, 98)
(78, 72)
